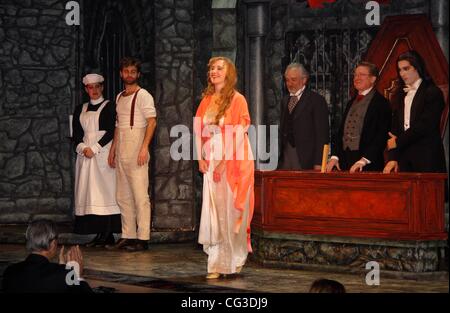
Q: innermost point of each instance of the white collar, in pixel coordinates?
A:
(413, 87)
(95, 102)
(298, 93)
(417, 83)
(366, 92)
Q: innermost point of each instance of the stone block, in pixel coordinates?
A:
(168, 32)
(28, 12)
(163, 136)
(184, 30)
(34, 161)
(27, 21)
(42, 127)
(168, 190)
(53, 12)
(181, 209)
(166, 3)
(33, 76)
(26, 59)
(185, 192)
(15, 127)
(6, 206)
(6, 144)
(45, 88)
(14, 218)
(64, 204)
(310, 249)
(50, 139)
(6, 189)
(15, 166)
(183, 4)
(26, 141)
(182, 15)
(46, 204)
(162, 160)
(161, 209)
(171, 115)
(32, 188)
(14, 77)
(163, 14)
(48, 20)
(57, 218)
(58, 78)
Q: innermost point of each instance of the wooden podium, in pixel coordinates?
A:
(341, 221)
(403, 206)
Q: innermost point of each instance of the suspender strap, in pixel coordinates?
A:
(133, 104)
(118, 98)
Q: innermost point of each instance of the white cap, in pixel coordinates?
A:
(92, 79)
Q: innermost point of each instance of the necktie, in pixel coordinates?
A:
(291, 104)
(359, 98)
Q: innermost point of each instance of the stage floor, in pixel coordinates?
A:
(182, 268)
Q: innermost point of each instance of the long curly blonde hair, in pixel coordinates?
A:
(227, 92)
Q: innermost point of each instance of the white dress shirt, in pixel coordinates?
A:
(411, 92)
(298, 94)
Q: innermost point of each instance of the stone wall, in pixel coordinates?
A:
(350, 254)
(37, 80)
(174, 68)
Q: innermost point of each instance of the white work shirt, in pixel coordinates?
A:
(144, 109)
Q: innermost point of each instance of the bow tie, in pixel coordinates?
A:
(409, 88)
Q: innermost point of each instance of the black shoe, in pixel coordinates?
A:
(110, 240)
(106, 239)
(140, 245)
(93, 242)
(121, 244)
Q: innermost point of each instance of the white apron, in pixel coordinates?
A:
(95, 181)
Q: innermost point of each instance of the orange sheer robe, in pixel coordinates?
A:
(239, 169)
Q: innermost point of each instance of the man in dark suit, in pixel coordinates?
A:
(37, 273)
(415, 143)
(362, 136)
(304, 123)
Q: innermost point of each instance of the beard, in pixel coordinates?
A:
(130, 80)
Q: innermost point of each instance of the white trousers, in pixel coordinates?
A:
(132, 185)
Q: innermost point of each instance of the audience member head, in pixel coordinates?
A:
(326, 286)
(41, 237)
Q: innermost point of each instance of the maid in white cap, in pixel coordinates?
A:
(96, 209)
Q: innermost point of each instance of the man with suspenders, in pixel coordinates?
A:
(129, 154)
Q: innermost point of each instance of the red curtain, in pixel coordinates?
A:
(318, 4)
